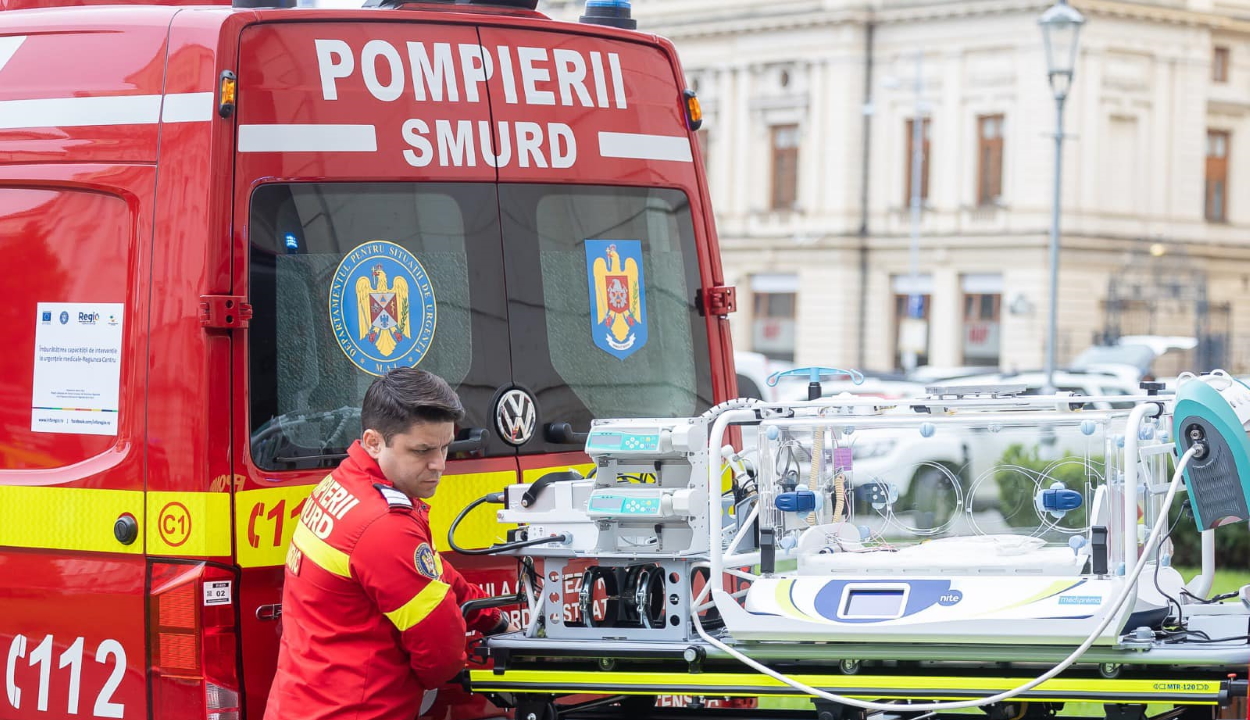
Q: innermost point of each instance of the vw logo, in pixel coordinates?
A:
(514, 417)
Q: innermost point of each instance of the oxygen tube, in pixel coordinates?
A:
(1128, 588)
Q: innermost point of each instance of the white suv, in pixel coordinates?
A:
(933, 476)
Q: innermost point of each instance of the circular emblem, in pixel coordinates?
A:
(174, 524)
(514, 417)
(424, 559)
(382, 308)
(64, 317)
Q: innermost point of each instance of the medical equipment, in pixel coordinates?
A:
(680, 553)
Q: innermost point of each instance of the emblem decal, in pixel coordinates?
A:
(424, 559)
(618, 302)
(514, 417)
(382, 307)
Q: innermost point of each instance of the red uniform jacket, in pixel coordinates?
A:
(370, 612)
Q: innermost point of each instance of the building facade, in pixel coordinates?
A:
(809, 141)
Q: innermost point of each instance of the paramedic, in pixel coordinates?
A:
(371, 615)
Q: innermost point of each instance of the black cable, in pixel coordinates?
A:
(527, 568)
(1171, 600)
(1211, 600)
(497, 498)
(1176, 637)
(1223, 639)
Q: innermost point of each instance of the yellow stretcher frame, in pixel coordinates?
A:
(869, 687)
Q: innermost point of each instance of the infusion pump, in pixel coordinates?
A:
(646, 496)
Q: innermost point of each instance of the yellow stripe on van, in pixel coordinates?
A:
(61, 518)
(189, 524)
(479, 528)
(265, 519)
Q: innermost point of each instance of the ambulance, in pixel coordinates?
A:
(220, 224)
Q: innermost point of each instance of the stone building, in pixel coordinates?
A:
(809, 108)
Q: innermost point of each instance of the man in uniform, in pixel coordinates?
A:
(371, 613)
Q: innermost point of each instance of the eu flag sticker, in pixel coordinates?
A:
(618, 302)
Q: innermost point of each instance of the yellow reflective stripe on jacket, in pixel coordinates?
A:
(420, 607)
(328, 558)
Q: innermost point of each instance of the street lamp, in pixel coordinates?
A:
(1061, 24)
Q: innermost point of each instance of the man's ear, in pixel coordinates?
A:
(373, 442)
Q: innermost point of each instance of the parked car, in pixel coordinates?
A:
(1091, 384)
(1132, 357)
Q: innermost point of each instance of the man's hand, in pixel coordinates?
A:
(505, 625)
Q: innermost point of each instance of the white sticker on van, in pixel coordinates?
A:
(77, 381)
(217, 592)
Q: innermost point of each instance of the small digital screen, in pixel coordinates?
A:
(605, 440)
(873, 603)
(605, 503)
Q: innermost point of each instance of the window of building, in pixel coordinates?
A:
(1219, 65)
(924, 161)
(1217, 176)
(785, 166)
(773, 317)
(913, 298)
(910, 335)
(981, 324)
(989, 159)
(982, 314)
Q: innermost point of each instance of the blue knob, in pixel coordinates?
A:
(797, 501)
(1061, 500)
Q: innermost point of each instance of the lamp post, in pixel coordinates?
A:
(914, 315)
(1061, 25)
(915, 309)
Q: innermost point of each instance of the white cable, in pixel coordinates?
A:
(1160, 524)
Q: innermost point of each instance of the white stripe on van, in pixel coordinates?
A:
(104, 110)
(307, 138)
(637, 146)
(187, 107)
(8, 46)
(80, 111)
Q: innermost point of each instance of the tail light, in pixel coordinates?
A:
(193, 641)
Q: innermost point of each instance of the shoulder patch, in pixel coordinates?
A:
(423, 558)
(394, 498)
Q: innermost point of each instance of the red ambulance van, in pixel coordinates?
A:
(219, 224)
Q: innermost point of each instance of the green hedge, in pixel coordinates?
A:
(1019, 468)
(1232, 542)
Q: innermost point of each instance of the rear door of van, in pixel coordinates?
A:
(414, 188)
(354, 262)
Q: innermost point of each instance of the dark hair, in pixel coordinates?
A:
(405, 396)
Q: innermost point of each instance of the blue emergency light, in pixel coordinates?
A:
(613, 13)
